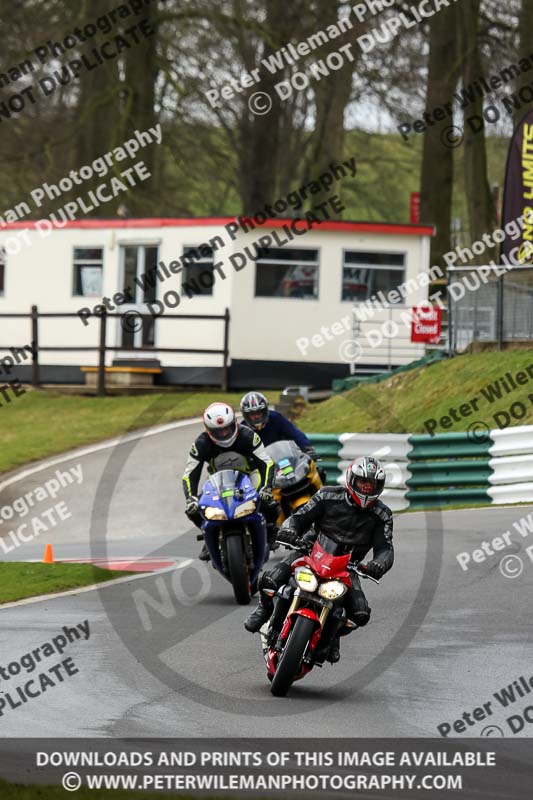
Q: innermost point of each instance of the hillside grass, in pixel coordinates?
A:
(402, 403)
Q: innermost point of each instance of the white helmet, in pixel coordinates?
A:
(221, 424)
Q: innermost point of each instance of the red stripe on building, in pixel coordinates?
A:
(390, 228)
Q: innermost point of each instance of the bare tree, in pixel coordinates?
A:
(481, 210)
(437, 161)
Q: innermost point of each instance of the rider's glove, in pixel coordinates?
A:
(287, 536)
(375, 569)
(191, 506)
(266, 496)
(311, 452)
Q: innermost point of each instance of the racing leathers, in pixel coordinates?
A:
(253, 457)
(331, 513)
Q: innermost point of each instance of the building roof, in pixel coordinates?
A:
(390, 228)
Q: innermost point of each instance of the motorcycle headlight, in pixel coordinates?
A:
(331, 590)
(215, 513)
(306, 579)
(244, 509)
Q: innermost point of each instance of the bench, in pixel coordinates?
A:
(122, 376)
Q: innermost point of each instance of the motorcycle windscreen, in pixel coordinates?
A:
(333, 547)
(292, 465)
(228, 489)
(225, 483)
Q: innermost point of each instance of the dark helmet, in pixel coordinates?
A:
(365, 480)
(254, 407)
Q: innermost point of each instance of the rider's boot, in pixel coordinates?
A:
(204, 553)
(255, 621)
(334, 652)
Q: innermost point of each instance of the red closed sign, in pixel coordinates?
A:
(426, 324)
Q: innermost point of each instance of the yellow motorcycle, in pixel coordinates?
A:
(296, 479)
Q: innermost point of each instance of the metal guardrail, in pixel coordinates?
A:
(102, 348)
(432, 472)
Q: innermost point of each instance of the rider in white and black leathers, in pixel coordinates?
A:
(352, 516)
(223, 434)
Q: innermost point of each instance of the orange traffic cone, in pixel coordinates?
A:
(48, 554)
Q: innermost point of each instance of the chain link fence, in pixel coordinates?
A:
(487, 307)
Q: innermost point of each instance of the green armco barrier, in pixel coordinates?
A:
(447, 451)
(464, 463)
(327, 445)
(444, 470)
(449, 473)
(448, 446)
(327, 451)
(446, 497)
(343, 384)
(452, 477)
(453, 436)
(331, 474)
(317, 438)
(448, 466)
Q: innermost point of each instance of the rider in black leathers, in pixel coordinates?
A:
(352, 516)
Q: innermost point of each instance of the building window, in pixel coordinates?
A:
(366, 274)
(287, 272)
(198, 274)
(88, 271)
(2, 269)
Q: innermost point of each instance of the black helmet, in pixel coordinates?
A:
(254, 407)
(365, 480)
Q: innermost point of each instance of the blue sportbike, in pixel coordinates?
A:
(234, 530)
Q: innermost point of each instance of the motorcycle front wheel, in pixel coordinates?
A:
(291, 658)
(238, 570)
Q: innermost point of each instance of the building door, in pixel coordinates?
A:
(139, 284)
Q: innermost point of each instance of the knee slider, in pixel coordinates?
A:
(266, 582)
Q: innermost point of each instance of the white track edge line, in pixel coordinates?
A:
(90, 449)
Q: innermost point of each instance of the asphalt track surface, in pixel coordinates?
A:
(168, 655)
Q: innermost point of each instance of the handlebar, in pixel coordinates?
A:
(303, 545)
(358, 571)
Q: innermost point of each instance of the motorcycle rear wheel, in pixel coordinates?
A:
(238, 570)
(291, 658)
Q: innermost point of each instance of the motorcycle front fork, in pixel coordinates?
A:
(331, 622)
(287, 603)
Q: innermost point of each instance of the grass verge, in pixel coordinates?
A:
(42, 423)
(21, 579)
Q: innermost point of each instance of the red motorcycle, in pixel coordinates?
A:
(309, 611)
